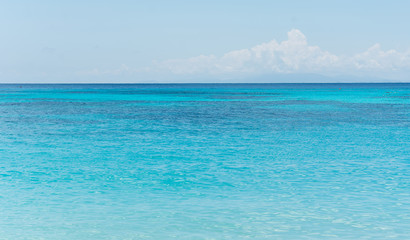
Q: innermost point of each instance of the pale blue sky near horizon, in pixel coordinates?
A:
(139, 41)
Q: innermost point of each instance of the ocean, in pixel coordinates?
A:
(205, 161)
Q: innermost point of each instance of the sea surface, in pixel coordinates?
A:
(205, 161)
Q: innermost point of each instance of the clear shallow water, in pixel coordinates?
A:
(296, 161)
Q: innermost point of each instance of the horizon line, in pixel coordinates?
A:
(198, 83)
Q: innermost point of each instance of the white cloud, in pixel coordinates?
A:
(377, 59)
(293, 55)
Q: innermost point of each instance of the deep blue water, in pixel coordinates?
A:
(205, 161)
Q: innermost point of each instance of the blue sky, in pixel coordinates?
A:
(188, 41)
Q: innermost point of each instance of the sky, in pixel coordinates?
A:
(154, 41)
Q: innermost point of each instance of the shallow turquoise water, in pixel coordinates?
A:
(296, 161)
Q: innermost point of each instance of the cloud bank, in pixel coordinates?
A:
(293, 55)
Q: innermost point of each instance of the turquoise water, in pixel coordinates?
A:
(239, 161)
